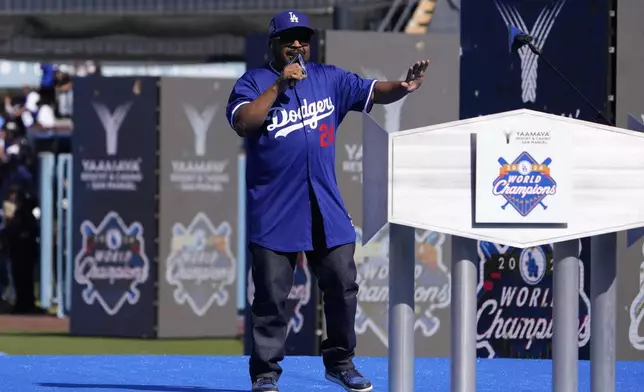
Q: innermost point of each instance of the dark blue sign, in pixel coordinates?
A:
(495, 79)
(515, 301)
(114, 148)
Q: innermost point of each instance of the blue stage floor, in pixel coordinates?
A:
(301, 374)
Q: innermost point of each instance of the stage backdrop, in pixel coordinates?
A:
(114, 147)
(198, 210)
(387, 57)
(630, 295)
(494, 80)
(630, 100)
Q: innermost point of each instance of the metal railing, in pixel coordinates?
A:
(56, 261)
(397, 16)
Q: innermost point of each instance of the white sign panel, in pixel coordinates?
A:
(523, 176)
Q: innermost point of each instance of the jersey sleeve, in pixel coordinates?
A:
(356, 92)
(244, 92)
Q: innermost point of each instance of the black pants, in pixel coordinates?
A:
(23, 265)
(273, 271)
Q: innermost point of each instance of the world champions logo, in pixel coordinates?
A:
(524, 183)
(111, 263)
(432, 284)
(515, 300)
(201, 264)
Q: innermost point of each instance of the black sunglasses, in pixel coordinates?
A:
(288, 37)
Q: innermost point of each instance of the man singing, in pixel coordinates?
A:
(288, 112)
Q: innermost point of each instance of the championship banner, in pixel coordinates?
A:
(114, 148)
(630, 296)
(514, 316)
(302, 304)
(435, 102)
(630, 62)
(630, 267)
(198, 210)
(494, 80)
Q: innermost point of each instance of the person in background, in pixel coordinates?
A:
(19, 236)
(31, 99)
(22, 109)
(65, 95)
(45, 117)
(7, 294)
(48, 82)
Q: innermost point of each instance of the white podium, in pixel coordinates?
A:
(520, 178)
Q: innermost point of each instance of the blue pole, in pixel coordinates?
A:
(60, 179)
(241, 232)
(46, 227)
(69, 257)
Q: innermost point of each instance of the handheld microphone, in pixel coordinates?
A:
(300, 60)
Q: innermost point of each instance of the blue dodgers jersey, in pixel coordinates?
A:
(296, 148)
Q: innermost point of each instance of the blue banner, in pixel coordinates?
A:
(514, 292)
(114, 221)
(572, 35)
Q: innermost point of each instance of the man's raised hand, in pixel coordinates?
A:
(415, 76)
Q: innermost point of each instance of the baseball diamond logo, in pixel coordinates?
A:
(111, 122)
(433, 284)
(514, 291)
(524, 183)
(201, 264)
(298, 297)
(540, 32)
(111, 263)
